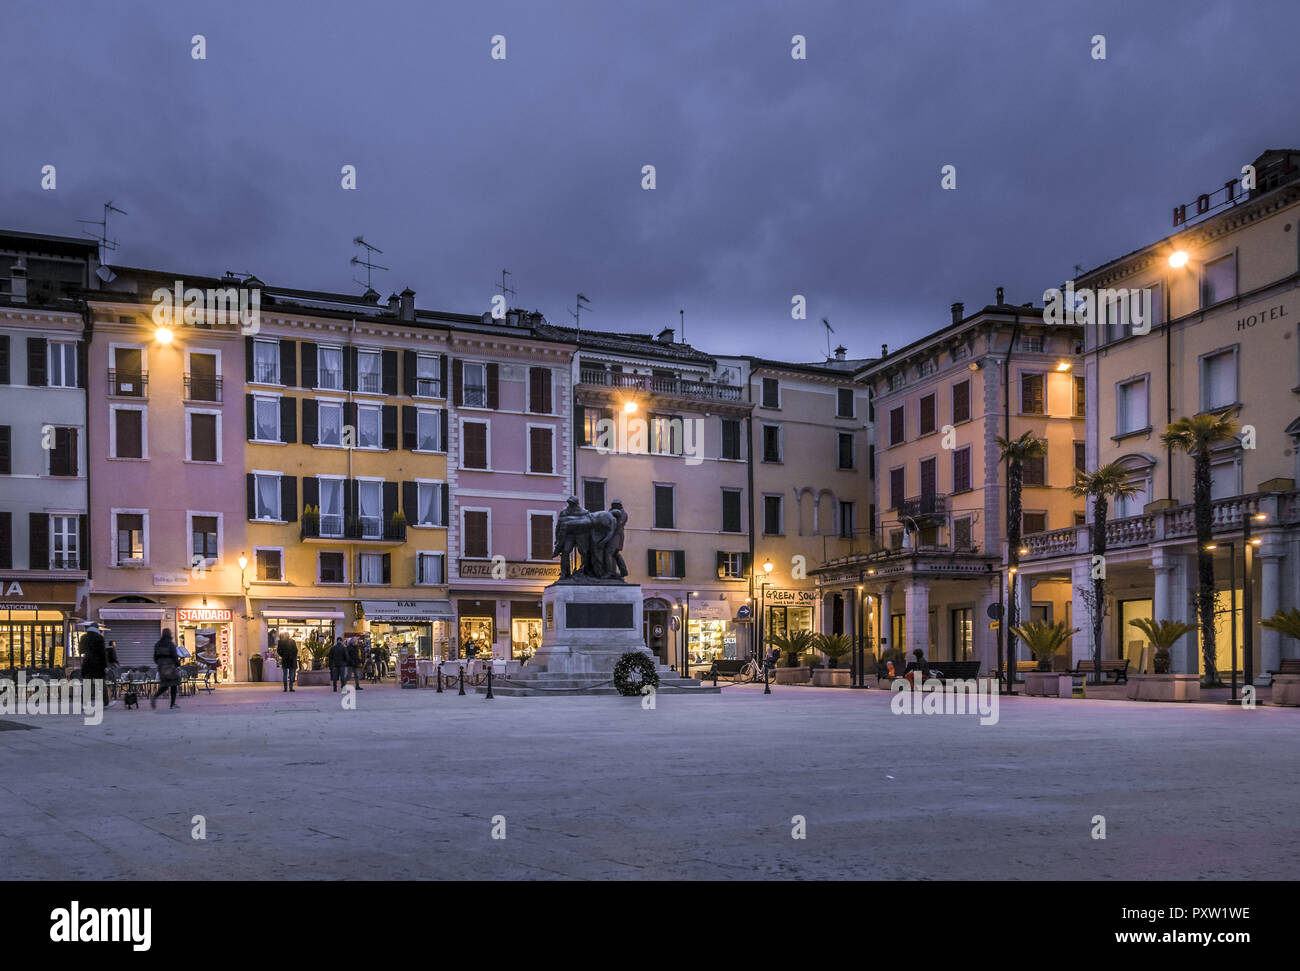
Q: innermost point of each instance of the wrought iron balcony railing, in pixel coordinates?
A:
(202, 387)
(128, 384)
(355, 528)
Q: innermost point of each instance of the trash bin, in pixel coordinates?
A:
(255, 668)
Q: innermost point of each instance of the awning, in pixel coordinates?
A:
(406, 611)
(132, 613)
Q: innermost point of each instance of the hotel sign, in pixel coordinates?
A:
(202, 615)
(509, 570)
(790, 598)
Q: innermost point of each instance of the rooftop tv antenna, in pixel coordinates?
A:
(579, 305)
(366, 261)
(504, 288)
(829, 330)
(682, 315)
(102, 236)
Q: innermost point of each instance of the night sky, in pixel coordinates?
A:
(775, 176)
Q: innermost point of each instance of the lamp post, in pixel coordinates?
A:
(762, 612)
(686, 628)
(1232, 621)
(1247, 594)
(859, 676)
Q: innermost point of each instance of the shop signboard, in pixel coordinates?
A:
(406, 611)
(790, 598)
(203, 615)
(710, 610)
(514, 570)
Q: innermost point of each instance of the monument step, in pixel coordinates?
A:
(528, 691)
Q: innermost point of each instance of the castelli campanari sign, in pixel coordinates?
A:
(508, 570)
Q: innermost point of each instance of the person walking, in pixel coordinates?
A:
(288, 653)
(95, 660)
(339, 664)
(168, 661)
(354, 663)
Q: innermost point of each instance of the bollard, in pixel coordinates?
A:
(462, 679)
(438, 677)
(715, 675)
(767, 688)
(489, 690)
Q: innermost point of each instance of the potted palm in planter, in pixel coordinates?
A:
(834, 646)
(1286, 684)
(1043, 640)
(792, 645)
(1163, 685)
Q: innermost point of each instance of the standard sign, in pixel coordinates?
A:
(202, 615)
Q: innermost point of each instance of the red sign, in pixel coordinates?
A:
(410, 673)
(202, 615)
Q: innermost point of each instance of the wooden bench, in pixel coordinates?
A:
(1117, 667)
(954, 670)
(726, 668)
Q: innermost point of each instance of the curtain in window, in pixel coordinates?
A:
(268, 497)
(429, 506)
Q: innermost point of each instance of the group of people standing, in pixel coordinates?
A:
(345, 661)
(98, 659)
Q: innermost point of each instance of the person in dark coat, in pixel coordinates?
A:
(168, 660)
(354, 663)
(339, 664)
(94, 660)
(288, 652)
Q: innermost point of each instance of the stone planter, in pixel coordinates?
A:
(1286, 689)
(315, 677)
(831, 677)
(1045, 684)
(1164, 687)
(791, 675)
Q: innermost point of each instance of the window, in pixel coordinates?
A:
(845, 450)
(591, 427)
(370, 568)
(665, 435)
(960, 352)
(203, 382)
(730, 438)
(1033, 522)
(1081, 456)
(204, 436)
(1080, 518)
(204, 549)
(266, 418)
(266, 494)
(329, 368)
(593, 494)
(331, 505)
(1219, 380)
(329, 423)
(731, 511)
(428, 503)
(127, 377)
(1224, 480)
(269, 564)
(541, 536)
(896, 426)
(1031, 394)
(476, 533)
(65, 532)
(927, 414)
(927, 367)
(127, 433)
(330, 568)
(428, 377)
(370, 368)
(62, 367)
(1032, 345)
(370, 507)
(63, 454)
(1131, 407)
(1219, 280)
(961, 470)
(266, 361)
(1080, 396)
(961, 402)
(664, 563)
(897, 380)
(369, 426)
(1126, 506)
(539, 391)
(1034, 470)
(474, 384)
(896, 479)
(130, 538)
(848, 520)
(6, 456)
(929, 478)
(665, 515)
(430, 568)
(771, 443)
(962, 537)
(541, 458)
(772, 525)
(771, 393)
(731, 566)
(844, 403)
(474, 454)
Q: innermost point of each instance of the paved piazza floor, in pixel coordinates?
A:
(408, 784)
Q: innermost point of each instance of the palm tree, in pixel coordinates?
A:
(1014, 453)
(1162, 634)
(834, 646)
(1044, 639)
(1196, 436)
(793, 644)
(1107, 483)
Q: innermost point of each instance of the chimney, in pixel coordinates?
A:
(394, 302)
(958, 311)
(999, 302)
(840, 352)
(487, 317)
(18, 281)
(371, 295)
(884, 350)
(665, 335)
(407, 302)
(512, 318)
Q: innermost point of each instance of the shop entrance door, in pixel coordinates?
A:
(656, 633)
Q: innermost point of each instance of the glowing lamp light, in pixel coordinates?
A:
(1178, 258)
(243, 562)
(1259, 517)
(1211, 546)
(162, 335)
(1256, 542)
(1063, 365)
(629, 406)
(767, 566)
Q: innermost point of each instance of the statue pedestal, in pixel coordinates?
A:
(587, 627)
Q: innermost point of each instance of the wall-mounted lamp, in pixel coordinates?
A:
(1178, 258)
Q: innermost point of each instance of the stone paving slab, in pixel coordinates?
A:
(407, 786)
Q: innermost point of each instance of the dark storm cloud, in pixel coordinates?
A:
(775, 176)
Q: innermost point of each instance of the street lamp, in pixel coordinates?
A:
(1232, 621)
(686, 634)
(859, 675)
(762, 612)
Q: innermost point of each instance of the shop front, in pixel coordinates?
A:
(36, 623)
(209, 631)
(307, 624)
(476, 630)
(132, 625)
(419, 628)
(712, 633)
(787, 610)
(525, 628)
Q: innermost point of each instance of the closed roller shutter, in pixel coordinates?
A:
(135, 640)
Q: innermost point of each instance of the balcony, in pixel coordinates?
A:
(654, 384)
(65, 561)
(128, 384)
(354, 529)
(924, 507)
(202, 387)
